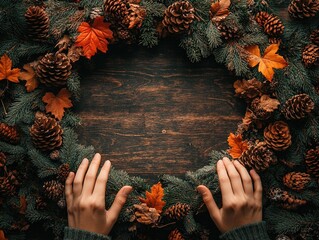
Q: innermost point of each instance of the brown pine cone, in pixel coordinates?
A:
(3, 160)
(38, 23)
(228, 30)
(259, 111)
(9, 134)
(283, 237)
(55, 155)
(272, 25)
(178, 211)
(40, 203)
(63, 172)
(309, 232)
(136, 16)
(9, 183)
(248, 89)
(54, 69)
(179, 16)
(54, 190)
(258, 157)
(277, 136)
(46, 134)
(314, 37)
(175, 235)
(298, 107)
(117, 10)
(303, 8)
(296, 180)
(310, 55)
(312, 161)
(285, 199)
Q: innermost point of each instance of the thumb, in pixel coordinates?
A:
(210, 203)
(118, 203)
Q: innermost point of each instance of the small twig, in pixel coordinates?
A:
(4, 108)
(165, 225)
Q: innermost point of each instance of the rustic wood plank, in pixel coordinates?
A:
(153, 112)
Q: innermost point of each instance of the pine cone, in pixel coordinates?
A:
(248, 89)
(298, 107)
(228, 30)
(9, 183)
(283, 237)
(96, 12)
(296, 180)
(55, 155)
(46, 134)
(272, 25)
(259, 111)
(146, 215)
(277, 136)
(40, 203)
(54, 190)
(312, 161)
(3, 160)
(117, 10)
(258, 157)
(54, 69)
(303, 8)
(178, 211)
(309, 232)
(9, 134)
(175, 235)
(179, 16)
(136, 16)
(310, 55)
(314, 37)
(38, 23)
(285, 199)
(63, 172)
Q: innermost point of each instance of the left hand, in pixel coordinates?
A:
(85, 198)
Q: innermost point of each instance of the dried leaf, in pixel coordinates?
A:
(94, 37)
(64, 43)
(57, 103)
(268, 104)
(219, 10)
(237, 145)
(75, 53)
(30, 77)
(146, 215)
(268, 61)
(23, 205)
(248, 88)
(154, 198)
(5, 70)
(2, 236)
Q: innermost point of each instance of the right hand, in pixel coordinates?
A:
(241, 199)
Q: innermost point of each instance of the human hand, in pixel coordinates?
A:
(85, 198)
(241, 201)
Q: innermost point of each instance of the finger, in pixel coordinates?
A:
(90, 177)
(118, 203)
(245, 178)
(234, 177)
(79, 176)
(210, 203)
(100, 185)
(224, 182)
(69, 197)
(258, 189)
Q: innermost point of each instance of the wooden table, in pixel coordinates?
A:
(152, 111)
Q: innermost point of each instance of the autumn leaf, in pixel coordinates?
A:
(268, 104)
(219, 10)
(268, 61)
(30, 77)
(154, 198)
(57, 103)
(94, 37)
(2, 236)
(6, 71)
(237, 145)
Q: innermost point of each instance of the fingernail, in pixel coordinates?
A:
(225, 158)
(200, 189)
(127, 190)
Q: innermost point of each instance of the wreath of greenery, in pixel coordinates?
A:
(279, 135)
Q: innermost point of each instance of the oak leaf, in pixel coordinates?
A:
(94, 37)
(30, 77)
(154, 198)
(268, 61)
(6, 71)
(268, 104)
(248, 88)
(237, 145)
(2, 236)
(57, 103)
(219, 10)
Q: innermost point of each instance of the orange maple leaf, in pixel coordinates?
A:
(237, 145)
(268, 62)
(30, 77)
(154, 198)
(5, 70)
(94, 37)
(219, 10)
(57, 103)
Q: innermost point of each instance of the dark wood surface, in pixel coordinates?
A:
(152, 111)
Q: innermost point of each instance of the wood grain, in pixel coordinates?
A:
(151, 111)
